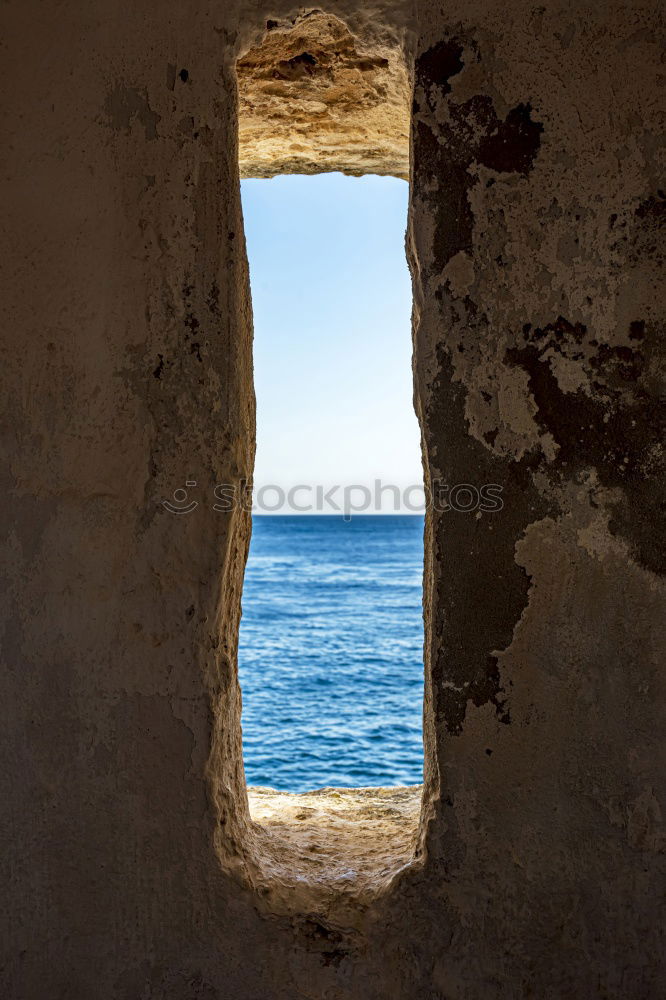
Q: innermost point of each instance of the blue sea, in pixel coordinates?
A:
(331, 657)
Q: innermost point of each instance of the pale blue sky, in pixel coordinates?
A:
(332, 301)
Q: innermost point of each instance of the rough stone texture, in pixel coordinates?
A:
(309, 94)
(334, 850)
(130, 867)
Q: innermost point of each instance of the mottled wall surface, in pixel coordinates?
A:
(128, 864)
(534, 234)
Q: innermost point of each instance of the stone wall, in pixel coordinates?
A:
(130, 868)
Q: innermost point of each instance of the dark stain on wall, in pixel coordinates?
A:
(617, 430)
(452, 212)
(435, 67)
(482, 551)
(439, 154)
(512, 145)
(471, 134)
(447, 147)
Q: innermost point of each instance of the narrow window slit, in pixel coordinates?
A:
(330, 651)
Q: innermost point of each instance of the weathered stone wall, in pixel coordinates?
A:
(533, 233)
(128, 864)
